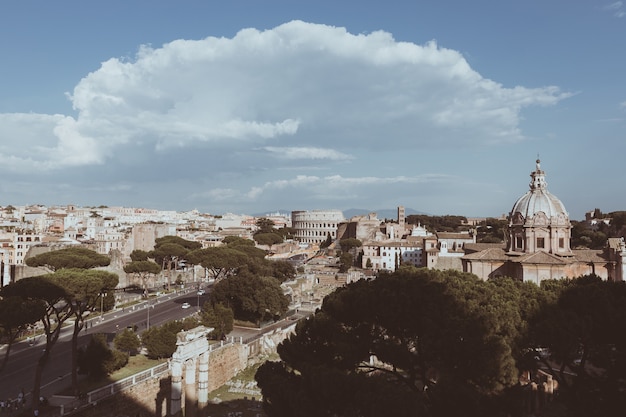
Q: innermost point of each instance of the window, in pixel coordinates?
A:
(561, 243)
(541, 243)
(519, 242)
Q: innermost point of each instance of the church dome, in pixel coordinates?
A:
(538, 200)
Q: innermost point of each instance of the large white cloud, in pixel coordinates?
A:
(235, 111)
(297, 85)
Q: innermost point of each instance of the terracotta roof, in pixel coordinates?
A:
(489, 254)
(477, 247)
(589, 255)
(499, 254)
(449, 262)
(543, 258)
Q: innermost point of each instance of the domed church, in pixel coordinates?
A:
(538, 244)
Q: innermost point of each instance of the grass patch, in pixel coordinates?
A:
(135, 365)
(225, 393)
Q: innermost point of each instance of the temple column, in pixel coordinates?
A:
(6, 273)
(203, 381)
(191, 397)
(177, 387)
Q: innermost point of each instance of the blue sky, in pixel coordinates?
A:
(257, 106)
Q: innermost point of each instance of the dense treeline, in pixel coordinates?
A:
(491, 230)
(448, 223)
(443, 343)
(586, 236)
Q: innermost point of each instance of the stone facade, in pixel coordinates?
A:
(538, 244)
(313, 227)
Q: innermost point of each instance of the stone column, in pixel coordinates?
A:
(550, 386)
(191, 397)
(203, 381)
(6, 276)
(177, 388)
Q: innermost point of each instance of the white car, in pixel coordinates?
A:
(200, 292)
(186, 305)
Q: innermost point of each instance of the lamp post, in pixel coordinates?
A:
(32, 341)
(102, 295)
(148, 306)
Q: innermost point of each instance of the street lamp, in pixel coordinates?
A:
(148, 306)
(102, 295)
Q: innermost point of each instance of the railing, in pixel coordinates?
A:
(126, 383)
(114, 388)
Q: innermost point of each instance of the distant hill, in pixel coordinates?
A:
(380, 213)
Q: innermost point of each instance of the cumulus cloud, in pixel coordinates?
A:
(226, 114)
(307, 153)
(295, 87)
(332, 187)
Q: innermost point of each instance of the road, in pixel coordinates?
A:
(20, 370)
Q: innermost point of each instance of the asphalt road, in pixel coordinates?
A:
(20, 370)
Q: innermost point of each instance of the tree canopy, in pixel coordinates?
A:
(97, 360)
(491, 230)
(265, 225)
(448, 223)
(220, 261)
(251, 298)
(403, 343)
(585, 332)
(408, 342)
(57, 311)
(350, 243)
(73, 257)
(268, 239)
(218, 317)
(127, 341)
(84, 292)
(139, 255)
(160, 341)
(169, 251)
(142, 270)
(266, 234)
(16, 315)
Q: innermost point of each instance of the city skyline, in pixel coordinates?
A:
(251, 107)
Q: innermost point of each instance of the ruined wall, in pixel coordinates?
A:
(225, 363)
(150, 398)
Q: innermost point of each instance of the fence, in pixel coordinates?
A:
(126, 383)
(113, 388)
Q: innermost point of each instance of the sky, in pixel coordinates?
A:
(261, 106)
